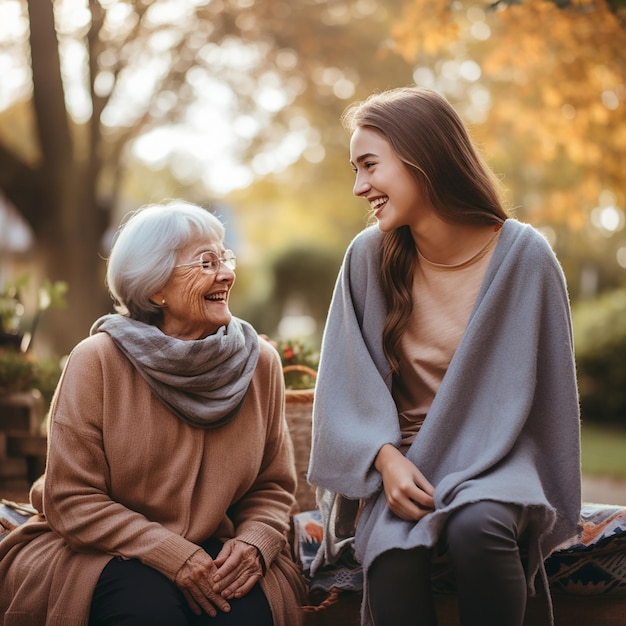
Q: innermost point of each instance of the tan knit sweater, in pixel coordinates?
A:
(126, 477)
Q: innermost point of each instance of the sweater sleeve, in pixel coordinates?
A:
(76, 498)
(262, 515)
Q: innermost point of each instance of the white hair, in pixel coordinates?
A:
(145, 250)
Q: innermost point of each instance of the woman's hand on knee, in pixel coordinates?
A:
(239, 568)
(409, 495)
(195, 579)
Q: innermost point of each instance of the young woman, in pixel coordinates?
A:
(446, 398)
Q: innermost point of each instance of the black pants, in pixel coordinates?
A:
(129, 593)
(482, 540)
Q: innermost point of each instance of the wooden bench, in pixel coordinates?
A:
(568, 611)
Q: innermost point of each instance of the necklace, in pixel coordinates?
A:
(473, 259)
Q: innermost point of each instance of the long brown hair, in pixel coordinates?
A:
(430, 138)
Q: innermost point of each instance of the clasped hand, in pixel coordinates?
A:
(208, 584)
(409, 495)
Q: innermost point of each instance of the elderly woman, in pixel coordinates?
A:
(170, 474)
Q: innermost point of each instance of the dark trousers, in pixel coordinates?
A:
(129, 593)
(482, 541)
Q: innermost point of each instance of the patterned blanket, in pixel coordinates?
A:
(596, 565)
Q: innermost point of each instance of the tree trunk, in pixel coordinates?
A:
(65, 215)
(73, 253)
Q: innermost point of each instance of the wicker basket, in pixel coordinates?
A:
(298, 410)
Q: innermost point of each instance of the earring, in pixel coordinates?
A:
(163, 302)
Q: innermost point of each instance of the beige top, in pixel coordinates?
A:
(443, 298)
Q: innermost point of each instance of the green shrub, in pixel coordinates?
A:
(600, 342)
(48, 374)
(21, 371)
(17, 371)
(603, 450)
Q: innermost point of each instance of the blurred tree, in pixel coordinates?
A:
(305, 276)
(113, 71)
(143, 65)
(542, 87)
(301, 281)
(343, 53)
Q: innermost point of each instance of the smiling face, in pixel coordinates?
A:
(196, 303)
(393, 194)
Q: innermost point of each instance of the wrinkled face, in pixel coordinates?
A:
(196, 303)
(385, 182)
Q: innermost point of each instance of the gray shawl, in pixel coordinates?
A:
(204, 382)
(504, 424)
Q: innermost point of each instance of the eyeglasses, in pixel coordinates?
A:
(209, 262)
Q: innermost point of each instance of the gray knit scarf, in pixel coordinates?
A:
(204, 382)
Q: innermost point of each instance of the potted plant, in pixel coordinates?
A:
(300, 362)
(26, 382)
(12, 333)
(17, 371)
(11, 311)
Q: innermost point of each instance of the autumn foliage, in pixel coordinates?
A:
(557, 94)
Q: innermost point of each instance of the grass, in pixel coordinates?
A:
(603, 450)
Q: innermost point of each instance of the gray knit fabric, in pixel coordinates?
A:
(203, 381)
(504, 424)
